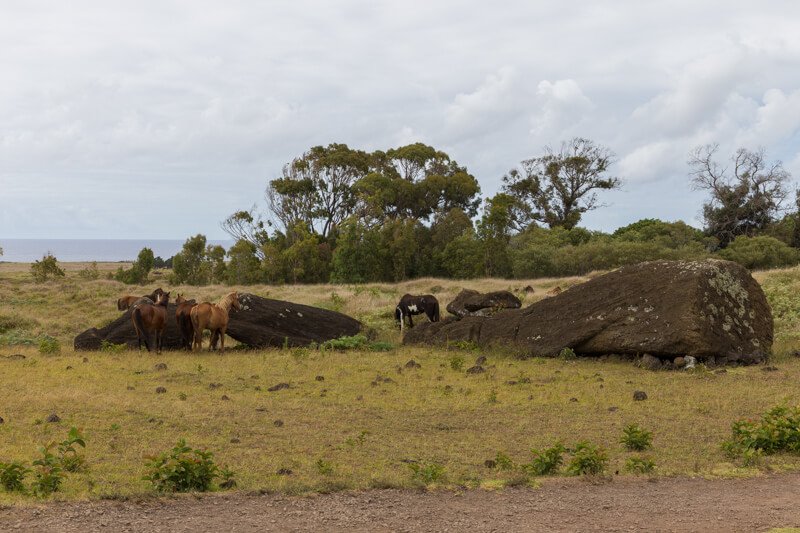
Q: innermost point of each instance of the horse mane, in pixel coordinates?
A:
(227, 301)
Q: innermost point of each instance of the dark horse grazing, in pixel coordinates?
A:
(183, 317)
(416, 305)
(148, 318)
(128, 301)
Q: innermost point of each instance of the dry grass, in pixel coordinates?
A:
(366, 429)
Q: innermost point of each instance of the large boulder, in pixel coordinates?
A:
(260, 322)
(474, 303)
(664, 308)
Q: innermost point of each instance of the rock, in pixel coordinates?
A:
(769, 369)
(489, 463)
(279, 386)
(477, 369)
(213, 385)
(320, 378)
(161, 390)
(285, 472)
(234, 440)
(15, 356)
(278, 423)
(53, 418)
(639, 395)
(469, 302)
(261, 322)
(131, 387)
(664, 308)
(85, 359)
(2, 421)
(413, 364)
(528, 289)
(554, 291)
(690, 362)
(650, 362)
(613, 409)
(679, 362)
(225, 397)
(480, 360)
(573, 400)
(161, 366)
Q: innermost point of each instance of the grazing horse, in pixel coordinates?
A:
(126, 302)
(183, 317)
(213, 317)
(148, 318)
(415, 305)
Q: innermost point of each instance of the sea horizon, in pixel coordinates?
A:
(82, 250)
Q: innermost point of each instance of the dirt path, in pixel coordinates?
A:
(560, 505)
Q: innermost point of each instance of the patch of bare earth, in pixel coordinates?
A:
(665, 504)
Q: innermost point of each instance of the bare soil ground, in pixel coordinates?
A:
(624, 504)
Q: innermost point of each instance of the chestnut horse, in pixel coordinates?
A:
(148, 318)
(126, 302)
(184, 319)
(213, 317)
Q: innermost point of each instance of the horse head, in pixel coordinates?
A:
(163, 299)
(180, 299)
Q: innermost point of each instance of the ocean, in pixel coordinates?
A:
(101, 250)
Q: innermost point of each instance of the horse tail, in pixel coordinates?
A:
(138, 324)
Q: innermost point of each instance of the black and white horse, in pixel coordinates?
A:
(416, 305)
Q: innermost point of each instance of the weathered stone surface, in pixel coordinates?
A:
(703, 309)
(474, 303)
(260, 322)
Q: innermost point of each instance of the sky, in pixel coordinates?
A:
(157, 119)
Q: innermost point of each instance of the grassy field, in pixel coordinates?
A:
(355, 419)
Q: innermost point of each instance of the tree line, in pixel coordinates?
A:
(344, 215)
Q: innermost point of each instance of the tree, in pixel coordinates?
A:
(745, 199)
(46, 268)
(559, 187)
(244, 267)
(192, 265)
(139, 269)
(494, 232)
(247, 226)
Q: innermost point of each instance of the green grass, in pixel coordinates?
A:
(365, 422)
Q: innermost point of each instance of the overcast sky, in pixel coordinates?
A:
(158, 119)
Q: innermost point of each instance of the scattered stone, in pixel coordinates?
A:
(257, 388)
(320, 378)
(477, 369)
(555, 291)
(85, 359)
(1, 420)
(650, 362)
(528, 289)
(448, 388)
(53, 418)
(691, 362)
(278, 423)
(639, 395)
(573, 400)
(489, 463)
(213, 386)
(795, 353)
(254, 376)
(14, 356)
(374, 383)
(769, 369)
(160, 366)
(131, 387)
(279, 386)
(69, 367)
(234, 440)
(480, 360)
(413, 364)
(285, 472)
(359, 398)
(511, 382)
(613, 408)
(679, 362)
(160, 390)
(261, 409)
(225, 397)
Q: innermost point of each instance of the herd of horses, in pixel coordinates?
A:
(149, 317)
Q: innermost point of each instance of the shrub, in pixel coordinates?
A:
(182, 469)
(503, 461)
(587, 459)
(427, 473)
(639, 465)
(545, 462)
(760, 252)
(354, 342)
(12, 476)
(46, 268)
(636, 438)
(567, 354)
(48, 472)
(71, 461)
(49, 345)
(324, 467)
(777, 431)
(457, 362)
(89, 273)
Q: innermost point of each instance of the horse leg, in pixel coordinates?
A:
(221, 340)
(410, 321)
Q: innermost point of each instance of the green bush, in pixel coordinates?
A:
(46, 269)
(426, 473)
(71, 461)
(587, 460)
(12, 476)
(546, 462)
(183, 469)
(636, 438)
(48, 345)
(503, 461)
(639, 465)
(89, 273)
(354, 342)
(760, 252)
(48, 473)
(777, 431)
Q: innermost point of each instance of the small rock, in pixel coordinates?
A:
(359, 398)
(53, 418)
(374, 383)
(691, 362)
(160, 390)
(160, 366)
(279, 386)
(480, 360)
(213, 386)
(1, 420)
(225, 397)
(795, 353)
(320, 378)
(639, 395)
(257, 388)
(769, 369)
(413, 364)
(254, 376)
(234, 440)
(131, 387)
(261, 409)
(511, 382)
(613, 408)
(16, 356)
(285, 472)
(489, 463)
(278, 423)
(650, 362)
(85, 359)
(573, 400)
(477, 369)
(69, 367)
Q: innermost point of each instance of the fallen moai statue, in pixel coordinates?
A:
(474, 303)
(704, 309)
(259, 323)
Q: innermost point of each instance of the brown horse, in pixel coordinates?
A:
(126, 302)
(213, 317)
(184, 319)
(148, 318)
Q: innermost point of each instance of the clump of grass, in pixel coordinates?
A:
(567, 354)
(587, 460)
(457, 362)
(639, 465)
(324, 467)
(636, 438)
(546, 462)
(427, 473)
(470, 346)
(12, 476)
(110, 347)
(184, 469)
(503, 461)
(49, 345)
(353, 342)
(777, 431)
